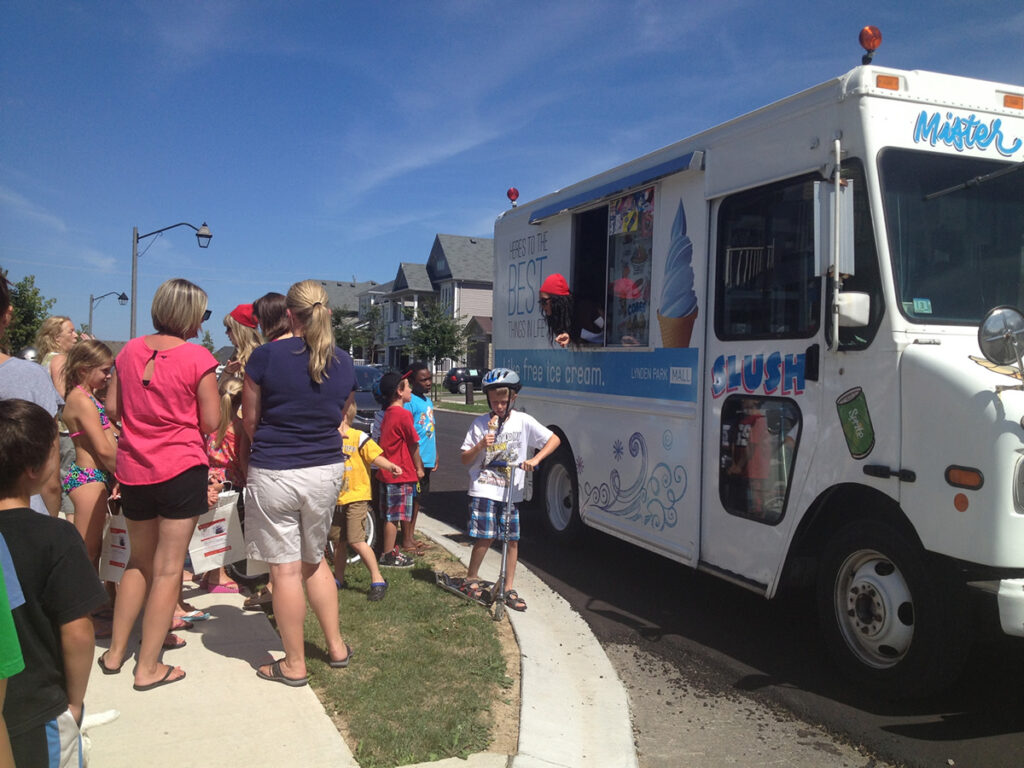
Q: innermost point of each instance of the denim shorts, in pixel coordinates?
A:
(288, 512)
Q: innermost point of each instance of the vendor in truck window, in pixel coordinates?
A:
(568, 321)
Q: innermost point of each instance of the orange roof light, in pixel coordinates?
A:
(1013, 101)
(870, 38)
(889, 82)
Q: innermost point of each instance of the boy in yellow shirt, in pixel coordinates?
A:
(349, 524)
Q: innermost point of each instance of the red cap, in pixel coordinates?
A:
(555, 285)
(244, 315)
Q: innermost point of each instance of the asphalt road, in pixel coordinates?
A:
(727, 643)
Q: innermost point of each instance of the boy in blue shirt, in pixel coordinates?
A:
(44, 703)
(422, 410)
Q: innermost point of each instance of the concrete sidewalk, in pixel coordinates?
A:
(574, 709)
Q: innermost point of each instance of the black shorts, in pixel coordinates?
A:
(181, 497)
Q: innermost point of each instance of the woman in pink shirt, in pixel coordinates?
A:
(165, 395)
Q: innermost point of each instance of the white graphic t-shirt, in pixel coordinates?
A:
(512, 445)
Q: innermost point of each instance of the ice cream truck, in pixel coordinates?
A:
(808, 371)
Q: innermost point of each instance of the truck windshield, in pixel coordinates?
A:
(956, 234)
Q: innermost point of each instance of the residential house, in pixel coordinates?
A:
(459, 274)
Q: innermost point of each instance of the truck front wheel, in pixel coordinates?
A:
(891, 624)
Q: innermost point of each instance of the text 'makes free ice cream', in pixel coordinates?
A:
(678, 309)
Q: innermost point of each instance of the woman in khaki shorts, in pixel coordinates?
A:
(293, 400)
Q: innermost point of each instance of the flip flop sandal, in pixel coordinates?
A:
(230, 588)
(277, 676)
(173, 642)
(109, 670)
(165, 680)
(257, 601)
(195, 615)
(514, 601)
(344, 662)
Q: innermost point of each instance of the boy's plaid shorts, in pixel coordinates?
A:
(485, 519)
(398, 501)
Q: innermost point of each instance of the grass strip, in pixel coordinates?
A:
(426, 668)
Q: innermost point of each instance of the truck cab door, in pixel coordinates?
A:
(765, 345)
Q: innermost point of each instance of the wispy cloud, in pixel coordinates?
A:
(20, 207)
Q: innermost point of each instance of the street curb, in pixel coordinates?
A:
(574, 709)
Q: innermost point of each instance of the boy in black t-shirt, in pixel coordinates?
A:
(43, 708)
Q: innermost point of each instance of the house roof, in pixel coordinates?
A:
(412, 278)
(462, 259)
(379, 288)
(480, 325)
(344, 295)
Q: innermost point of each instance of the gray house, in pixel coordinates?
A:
(459, 274)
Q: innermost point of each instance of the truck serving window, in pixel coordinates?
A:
(612, 271)
(955, 228)
(765, 286)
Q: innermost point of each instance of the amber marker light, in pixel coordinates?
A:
(889, 82)
(964, 477)
(1013, 101)
(960, 502)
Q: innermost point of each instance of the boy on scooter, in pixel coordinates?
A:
(495, 446)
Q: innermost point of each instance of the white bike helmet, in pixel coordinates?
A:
(30, 354)
(502, 377)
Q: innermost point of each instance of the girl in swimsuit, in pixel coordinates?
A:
(87, 370)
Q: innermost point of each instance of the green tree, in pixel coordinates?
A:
(374, 331)
(437, 334)
(30, 309)
(207, 341)
(347, 333)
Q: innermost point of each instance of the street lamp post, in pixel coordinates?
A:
(203, 236)
(122, 299)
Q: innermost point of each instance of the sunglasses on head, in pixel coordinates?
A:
(206, 316)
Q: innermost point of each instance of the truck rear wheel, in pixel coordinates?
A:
(559, 497)
(890, 623)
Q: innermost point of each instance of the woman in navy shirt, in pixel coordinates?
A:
(294, 398)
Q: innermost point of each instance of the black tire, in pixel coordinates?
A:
(462, 387)
(893, 626)
(557, 496)
(371, 539)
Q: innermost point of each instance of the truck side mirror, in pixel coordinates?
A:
(854, 309)
(1001, 335)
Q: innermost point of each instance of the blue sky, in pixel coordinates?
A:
(333, 140)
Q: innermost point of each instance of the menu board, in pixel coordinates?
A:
(630, 237)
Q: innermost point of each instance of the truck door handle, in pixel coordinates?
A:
(812, 360)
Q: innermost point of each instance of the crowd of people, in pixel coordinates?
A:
(156, 434)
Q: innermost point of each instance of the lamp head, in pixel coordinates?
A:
(203, 235)
(122, 299)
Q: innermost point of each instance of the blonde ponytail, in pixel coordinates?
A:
(309, 305)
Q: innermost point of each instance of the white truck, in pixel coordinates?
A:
(748, 414)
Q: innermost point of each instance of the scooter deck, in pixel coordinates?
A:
(455, 584)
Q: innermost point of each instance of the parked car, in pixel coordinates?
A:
(455, 380)
(367, 406)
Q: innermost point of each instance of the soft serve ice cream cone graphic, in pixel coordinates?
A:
(678, 310)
